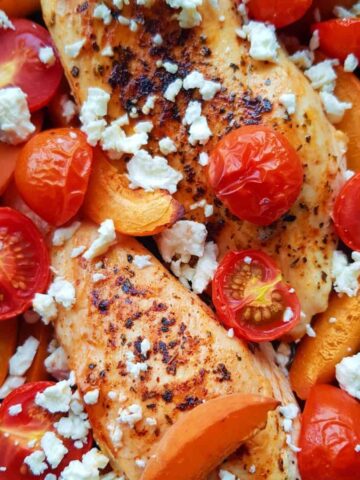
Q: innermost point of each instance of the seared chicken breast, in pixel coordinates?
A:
(144, 340)
(303, 241)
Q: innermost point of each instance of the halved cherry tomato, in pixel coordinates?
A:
(339, 37)
(20, 64)
(251, 297)
(346, 213)
(24, 263)
(52, 173)
(256, 173)
(29, 426)
(330, 432)
(278, 12)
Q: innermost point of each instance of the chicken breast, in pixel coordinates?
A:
(142, 339)
(303, 240)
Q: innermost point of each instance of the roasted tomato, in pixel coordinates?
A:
(251, 297)
(256, 173)
(21, 66)
(278, 12)
(24, 263)
(346, 213)
(21, 434)
(330, 436)
(52, 173)
(339, 37)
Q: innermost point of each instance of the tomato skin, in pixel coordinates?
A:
(339, 37)
(20, 53)
(256, 173)
(25, 271)
(32, 422)
(52, 173)
(329, 433)
(346, 213)
(278, 12)
(229, 309)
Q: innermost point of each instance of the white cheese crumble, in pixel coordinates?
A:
(74, 426)
(231, 333)
(47, 56)
(131, 415)
(77, 251)
(56, 398)
(15, 120)
(322, 75)
(149, 104)
(310, 331)
(142, 261)
(303, 59)
(105, 239)
(157, 40)
(140, 462)
(348, 375)
(208, 209)
(151, 421)
(288, 314)
(116, 142)
(98, 277)
(351, 63)
(102, 12)
(207, 88)
(45, 306)
(10, 384)
(92, 114)
(53, 448)
(63, 292)
(173, 89)
(170, 67)
(263, 42)
(167, 146)
(203, 159)
(15, 410)
(5, 22)
(73, 50)
(107, 51)
(134, 368)
(346, 274)
(116, 434)
(334, 108)
(92, 397)
(61, 235)
(22, 359)
(36, 462)
(225, 475)
(145, 347)
(87, 469)
(314, 41)
(57, 364)
(151, 173)
(199, 131)
(205, 268)
(288, 100)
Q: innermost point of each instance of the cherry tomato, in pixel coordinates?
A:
(346, 213)
(330, 432)
(24, 263)
(21, 66)
(29, 426)
(250, 296)
(339, 37)
(278, 12)
(52, 173)
(256, 173)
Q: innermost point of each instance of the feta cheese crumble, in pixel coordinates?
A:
(310, 331)
(15, 119)
(288, 314)
(63, 292)
(348, 375)
(334, 108)
(167, 146)
(47, 56)
(346, 274)
(173, 89)
(36, 462)
(199, 131)
(22, 359)
(116, 142)
(322, 76)
(142, 261)
(57, 364)
(225, 475)
(56, 398)
(62, 235)
(45, 306)
(288, 100)
(207, 88)
(53, 448)
(263, 42)
(205, 268)
(10, 384)
(15, 410)
(303, 59)
(92, 114)
(5, 22)
(351, 63)
(131, 415)
(105, 239)
(102, 12)
(91, 397)
(73, 50)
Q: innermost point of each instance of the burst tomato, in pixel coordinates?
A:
(29, 426)
(278, 12)
(346, 213)
(330, 432)
(339, 37)
(24, 263)
(256, 173)
(250, 296)
(21, 66)
(52, 173)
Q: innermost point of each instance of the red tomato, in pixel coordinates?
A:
(339, 37)
(250, 296)
(52, 173)
(278, 12)
(329, 433)
(29, 425)
(256, 173)
(20, 64)
(346, 213)
(24, 263)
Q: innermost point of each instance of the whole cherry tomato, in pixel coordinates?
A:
(339, 37)
(251, 297)
(256, 173)
(24, 263)
(20, 434)
(278, 12)
(330, 436)
(52, 173)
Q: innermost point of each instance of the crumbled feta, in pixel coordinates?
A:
(252, 469)
(208, 209)
(92, 114)
(207, 88)
(73, 50)
(263, 42)
(135, 368)
(332, 320)
(74, 426)
(231, 333)
(170, 67)
(61, 235)
(10, 384)
(140, 462)
(145, 347)
(151, 173)
(167, 146)
(203, 159)
(50, 476)
(105, 239)
(15, 410)
(310, 331)
(303, 59)
(116, 434)
(351, 63)
(282, 357)
(199, 131)
(47, 56)
(115, 141)
(291, 445)
(36, 462)
(56, 398)
(334, 108)
(15, 120)
(192, 113)
(346, 274)
(91, 397)
(57, 364)
(157, 40)
(77, 251)
(45, 306)
(225, 475)
(348, 174)
(131, 415)
(149, 104)
(98, 277)
(288, 100)
(348, 375)
(142, 261)
(63, 292)
(69, 110)
(343, 12)
(173, 89)
(5, 22)
(54, 449)
(102, 12)
(288, 314)
(107, 51)
(314, 41)
(205, 268)
(22, 359)
(322, 75)
(87, 469)
(144, 127)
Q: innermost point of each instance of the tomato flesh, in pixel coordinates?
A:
(24, 263)
(52, 173)
(20, 65)
(29, 426)
(339, 37)
(346, 213)
(256, 173)
(250, 296)
(330, 432)
(278, 12)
